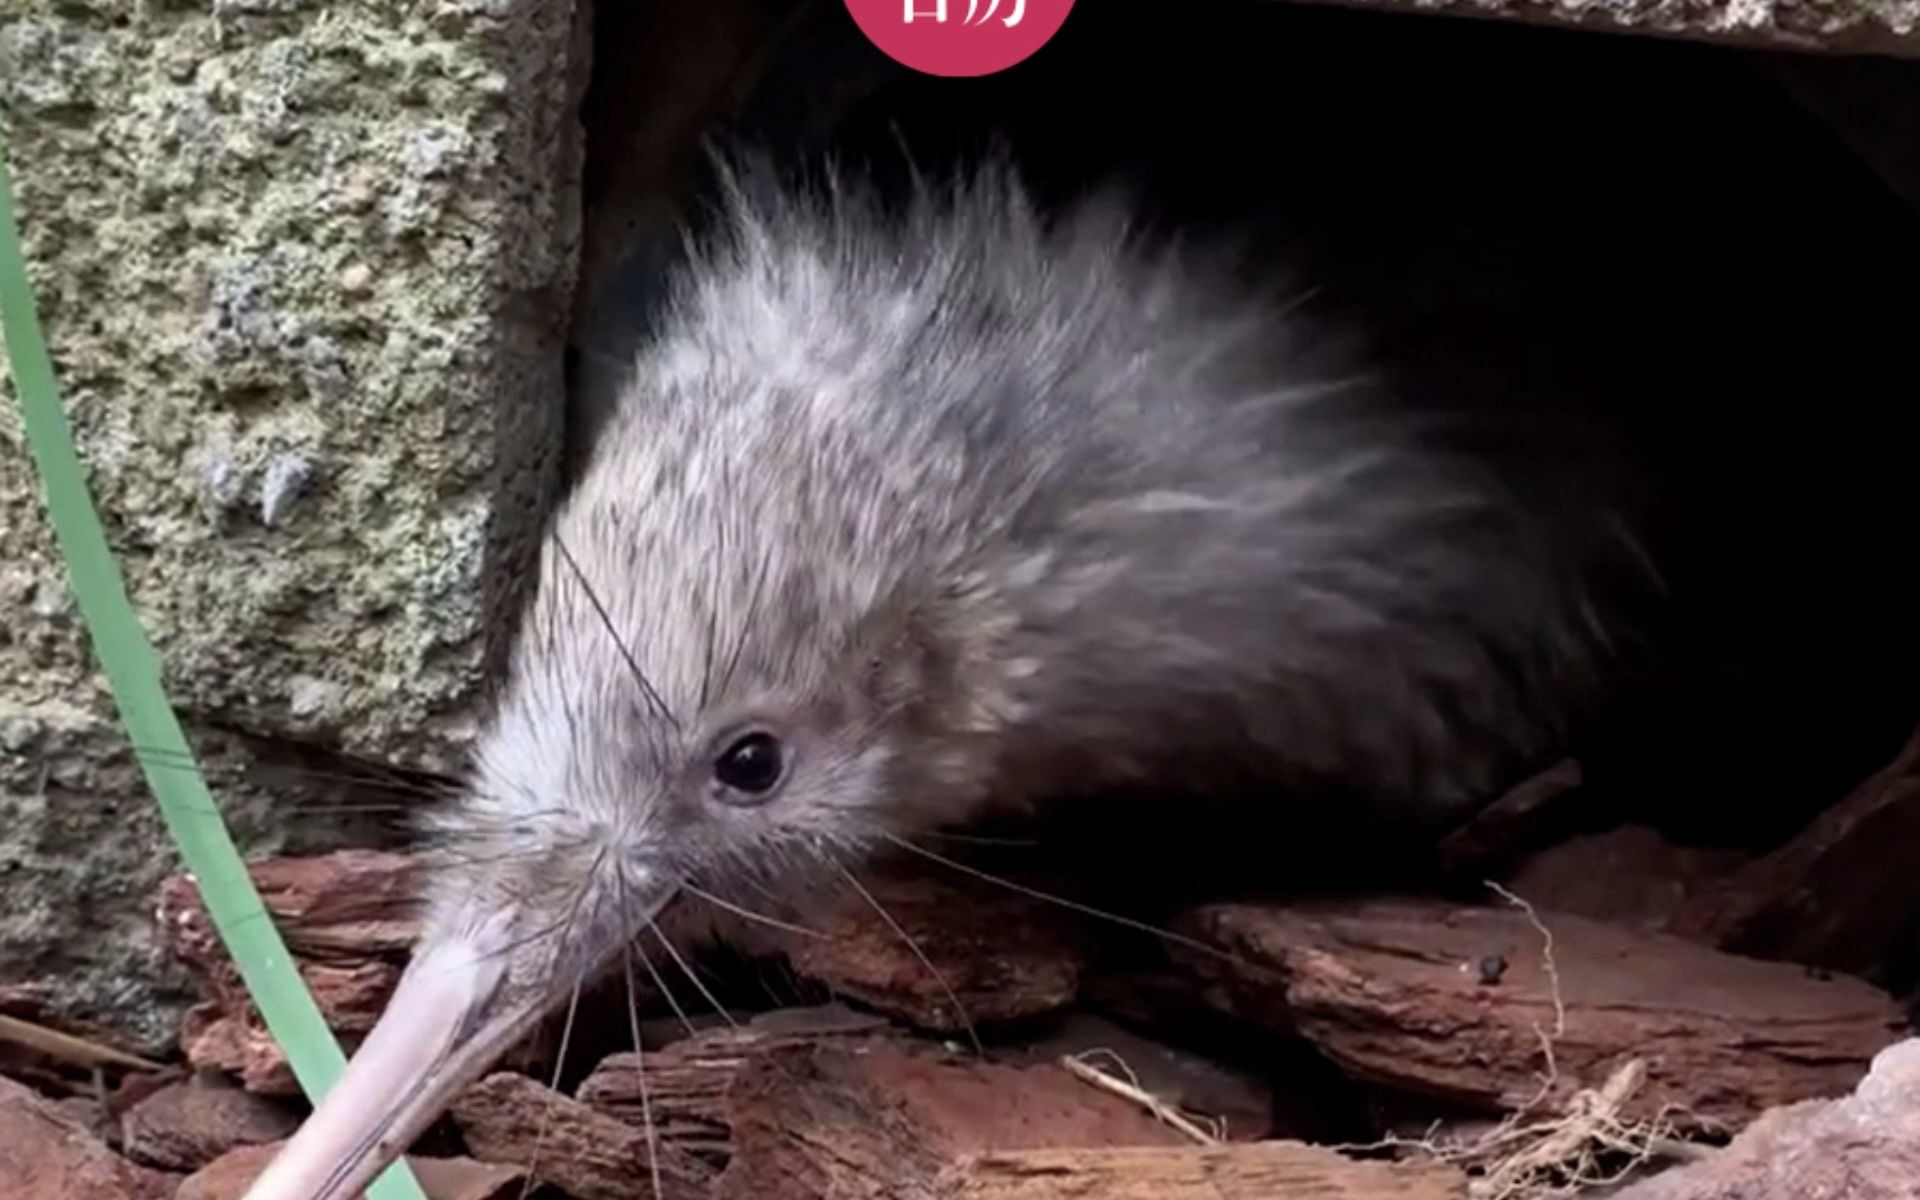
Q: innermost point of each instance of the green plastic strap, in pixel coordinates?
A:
(133, 672)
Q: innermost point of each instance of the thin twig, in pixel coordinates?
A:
(69, 1047)
(1130, 1089)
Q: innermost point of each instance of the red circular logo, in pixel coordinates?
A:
(959, 37)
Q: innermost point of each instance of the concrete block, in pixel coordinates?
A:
(306, 268)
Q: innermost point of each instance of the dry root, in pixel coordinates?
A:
(1535, 1155)
(1547, 1151)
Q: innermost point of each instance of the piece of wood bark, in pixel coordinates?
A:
(185, 1126)
(227, 1033)
(229, 1176)
(967, 1105)
(822, 1105)
(346, 905)
(1251, 1171)
(889, 1118)
(1399, 994)
(509, 1118)
(686, 1088)
(349, 921)
(46, 1152)
(780, 1070)
(1842, 894)
(901, 1124)
(91, 1115)
(1510, 825)
(818, 1137)
(1000, 955)
(347, 917)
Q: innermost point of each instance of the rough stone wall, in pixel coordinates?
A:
(1886, 27)
(306, 266)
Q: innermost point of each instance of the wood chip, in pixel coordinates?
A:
(1392, 993)
(947, 953)
(229, 1176)
(45, 1152)
(1247, 1171)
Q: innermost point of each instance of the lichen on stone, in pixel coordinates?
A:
(286, 254)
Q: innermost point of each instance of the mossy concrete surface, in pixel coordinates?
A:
(306, 267)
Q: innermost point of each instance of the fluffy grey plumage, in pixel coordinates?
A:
(961, 505)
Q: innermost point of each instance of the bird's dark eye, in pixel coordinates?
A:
(751, 764)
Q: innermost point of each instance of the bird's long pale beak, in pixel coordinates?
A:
(451, 1017)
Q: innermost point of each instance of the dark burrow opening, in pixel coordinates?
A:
(1675, 288)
